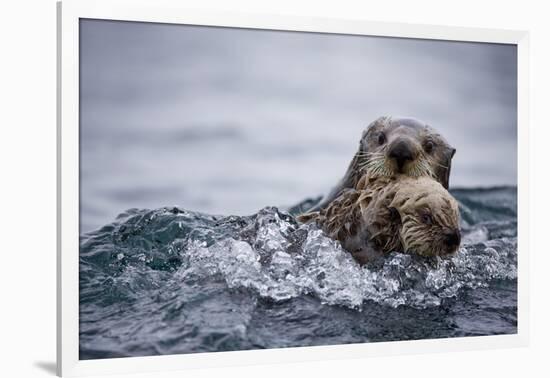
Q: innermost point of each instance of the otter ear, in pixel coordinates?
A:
(444, 170)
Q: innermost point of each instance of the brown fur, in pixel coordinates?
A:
(388, 214)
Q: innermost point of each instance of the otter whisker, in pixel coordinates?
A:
(369, 154)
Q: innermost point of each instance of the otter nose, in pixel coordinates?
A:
(452, 238)
(401, 152)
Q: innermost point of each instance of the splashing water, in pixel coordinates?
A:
(175, 281)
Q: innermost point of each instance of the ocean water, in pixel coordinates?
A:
(171, 280)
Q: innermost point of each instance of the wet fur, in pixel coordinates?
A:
(384, 214)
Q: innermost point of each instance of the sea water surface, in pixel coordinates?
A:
(171, 280)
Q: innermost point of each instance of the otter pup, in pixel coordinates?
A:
(397, 213)
(396, 146)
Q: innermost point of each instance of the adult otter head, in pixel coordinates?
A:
(429, 217)
(392, 145)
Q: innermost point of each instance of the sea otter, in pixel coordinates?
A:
(394, 145)
(392, 213)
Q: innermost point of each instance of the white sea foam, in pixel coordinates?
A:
(266, 264)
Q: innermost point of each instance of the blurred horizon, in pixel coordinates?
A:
(227, 120)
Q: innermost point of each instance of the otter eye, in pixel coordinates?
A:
(429, 146)
(426, 219)
(381, 138)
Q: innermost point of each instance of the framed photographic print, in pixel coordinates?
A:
(240, 189)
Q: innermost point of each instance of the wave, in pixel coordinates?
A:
(170, 280)
(277, 258)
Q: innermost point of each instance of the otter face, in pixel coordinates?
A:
(429, 218)
(391, 146)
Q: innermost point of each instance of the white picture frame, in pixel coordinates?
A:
(69, 13)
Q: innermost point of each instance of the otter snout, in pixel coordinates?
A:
(452, 239)
(401, 151)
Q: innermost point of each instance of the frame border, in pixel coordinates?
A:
(169, 11)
